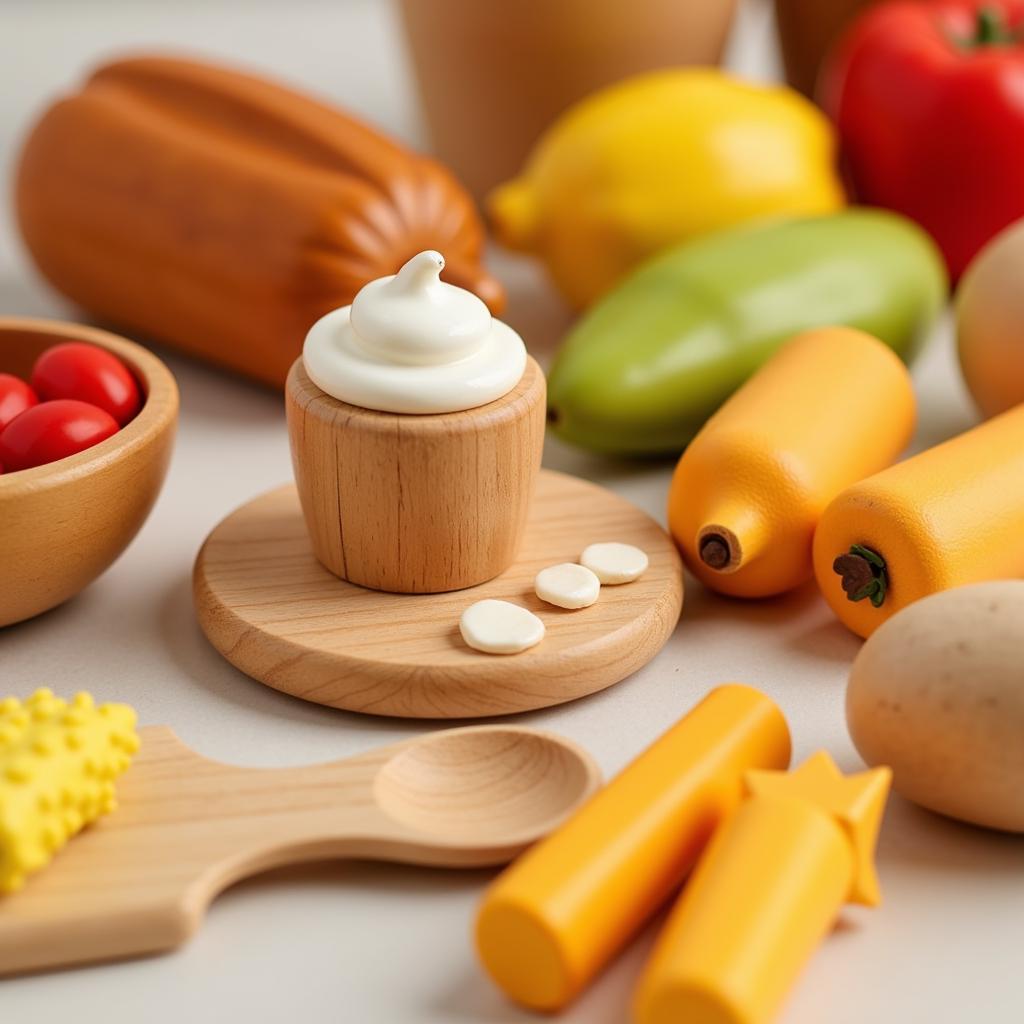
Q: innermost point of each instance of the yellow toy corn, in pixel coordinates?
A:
(58, 762)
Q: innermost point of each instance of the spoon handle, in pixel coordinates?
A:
(139, 881)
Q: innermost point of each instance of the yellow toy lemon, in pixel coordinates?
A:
(657, 159)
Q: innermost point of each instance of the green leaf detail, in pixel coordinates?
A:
(990, 29)
(874, 590)
(869, 556)
(868, 590)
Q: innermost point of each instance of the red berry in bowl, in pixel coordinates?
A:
(90, 374)
(51, 431)
(15, 397)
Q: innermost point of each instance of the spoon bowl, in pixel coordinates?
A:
(487, 786)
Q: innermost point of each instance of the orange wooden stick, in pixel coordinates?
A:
(556, 917)
(765, 893)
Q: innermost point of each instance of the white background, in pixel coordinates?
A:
(389, 945)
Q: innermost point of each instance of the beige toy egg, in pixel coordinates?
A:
(937, 693)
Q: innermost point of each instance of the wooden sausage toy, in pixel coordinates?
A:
(223, 214)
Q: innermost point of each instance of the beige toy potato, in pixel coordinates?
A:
(937, 693)
(990, 323)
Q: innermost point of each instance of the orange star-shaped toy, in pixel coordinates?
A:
(765, 893)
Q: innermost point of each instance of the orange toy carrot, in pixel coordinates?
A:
(833, 406)
(952, 515)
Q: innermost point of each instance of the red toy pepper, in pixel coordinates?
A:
(928, 99)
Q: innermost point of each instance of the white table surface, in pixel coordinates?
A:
(389, 945)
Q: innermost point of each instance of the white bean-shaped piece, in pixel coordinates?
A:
(567, 586)
(614, 563)
(500, 627)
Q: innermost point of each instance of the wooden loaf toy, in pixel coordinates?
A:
(223, 214)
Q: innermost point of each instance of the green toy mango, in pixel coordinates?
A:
(644, 368)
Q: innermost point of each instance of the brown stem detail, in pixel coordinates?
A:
(864, 574)
(714, 551)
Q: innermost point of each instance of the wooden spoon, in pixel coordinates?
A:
(140, 880)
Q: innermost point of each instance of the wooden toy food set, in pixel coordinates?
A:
(424, 565)
(416, 423)
(140, 879)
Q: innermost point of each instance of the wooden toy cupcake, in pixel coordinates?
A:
(416, 423)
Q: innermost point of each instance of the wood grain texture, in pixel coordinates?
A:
(273, 611)
(63, 524)
(140, 880)
(416, 504)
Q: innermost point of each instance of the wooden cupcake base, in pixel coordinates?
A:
(416, 504)
(274, 612)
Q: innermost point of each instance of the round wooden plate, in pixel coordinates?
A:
(273, 611)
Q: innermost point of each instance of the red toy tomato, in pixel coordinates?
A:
(928, 99)
(51, 431)
(15, 397)
(89, 374)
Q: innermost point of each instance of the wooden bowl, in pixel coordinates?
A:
(62, 524)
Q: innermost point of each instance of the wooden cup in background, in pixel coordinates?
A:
(493, 76)
(807, 31)
(416, 504)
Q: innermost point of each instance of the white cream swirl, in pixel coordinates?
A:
(411, 343)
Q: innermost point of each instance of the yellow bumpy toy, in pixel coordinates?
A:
(58, 762)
